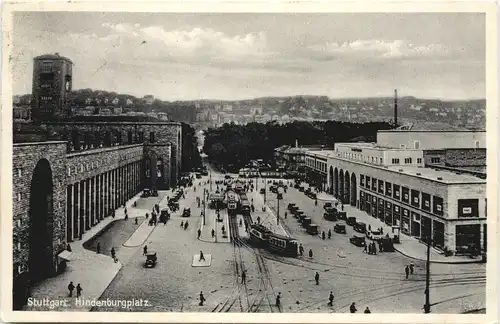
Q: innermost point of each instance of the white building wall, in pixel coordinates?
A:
(432, 139)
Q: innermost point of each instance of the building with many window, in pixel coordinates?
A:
(393, 183)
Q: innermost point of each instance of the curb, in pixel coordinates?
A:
(441, 262)
(151, 232)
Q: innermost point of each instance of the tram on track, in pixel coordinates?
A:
(261, 236)
(232, 203)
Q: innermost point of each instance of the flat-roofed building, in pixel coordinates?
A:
(425, 202)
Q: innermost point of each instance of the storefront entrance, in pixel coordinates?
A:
(466, 236)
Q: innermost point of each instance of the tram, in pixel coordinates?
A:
(261, 236)
(232, 203)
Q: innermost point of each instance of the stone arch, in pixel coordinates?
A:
(330, 180)
(41, 222)
(354, 192)
(340, 194)
(347, 188)
(336, 182)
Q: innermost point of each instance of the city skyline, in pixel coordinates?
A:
(244, 56)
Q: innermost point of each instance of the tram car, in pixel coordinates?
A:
(283, 245)
(232, 203)
(244, 205)
(259, 235)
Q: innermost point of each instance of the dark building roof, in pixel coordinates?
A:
(55, 56)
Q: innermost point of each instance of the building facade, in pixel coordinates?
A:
(52, 84)
(393, 184)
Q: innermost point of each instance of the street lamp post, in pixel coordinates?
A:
(210, 179)
(427, 305)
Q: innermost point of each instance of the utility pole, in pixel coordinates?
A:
(427, 305)
(265, 191)
(278, 213)
(204, 205)
(210, 179)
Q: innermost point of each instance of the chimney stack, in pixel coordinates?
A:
(395, 108)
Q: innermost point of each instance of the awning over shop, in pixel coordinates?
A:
(65, 255)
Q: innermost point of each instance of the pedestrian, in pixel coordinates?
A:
(412, 267)
(367, 310)
(301, 249)
(329, 234)
(241, 222)
(136, 222)
(202, 257)
(78, 290)
(202, 298)
(68, 248)
(145, 250)
(365, 250)
(199, 233)
(286, 214)
(258, 220)
(223, 229)
(323, 236)
(407, 271)
(71, 287)
(125, 210)
(98, 248)
(352, 308)
(213, 232)
(381, 231)
(316, 278)
(316, 202)
(330, 298)
(147, 215)
(113, 253)
(243, 277)
(374, 248)
(342, 207)
(369, 227)
(278, 300)
(310, 253)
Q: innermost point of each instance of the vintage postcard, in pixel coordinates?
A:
(249, 162)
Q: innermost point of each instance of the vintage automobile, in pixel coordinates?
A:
(198, 176)
(154, 193)
(186, 212)
(301, 189)
(358, 240)
(342, 215)
(146, 193)
(301, 218)
(306, 221)
(313, 229)
(151, 259)
(374, 235)
(351, 221)
(262, 191)
(387, 244)
(297, 213)
(360, 227)
(327, 204)
(290, 206)
(339, 228)
(330, 216)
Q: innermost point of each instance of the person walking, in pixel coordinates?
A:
(186, 224)
(412, 267)
(330, 299)
(145, 250)
(243, 277)
(199, 233)
(213, 233)
(68, 248)
(202, 257)
(78, 290)
(98, 248)
(136, 222)
(365, 249)
(367, 310)
(278, 300)
(353, 308)
(407, 271)
(323, 236)
(202, 298)
(71, 287)
(310, 253)
(113, 253)
(182, 224)
(316, 278)
(301, 249)
(329, 233)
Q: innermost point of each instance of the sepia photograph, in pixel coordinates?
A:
(277, 161)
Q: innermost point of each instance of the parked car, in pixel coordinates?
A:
(351, 221)
(339, 228)
(360, 227)
(262, 191)
(342, 215)
(290, 206)
(330, 216)
(146, 193)
(306, 221)
(327, 204)
(358, 240)
(374, 235)
(313, 229)
(186, 212)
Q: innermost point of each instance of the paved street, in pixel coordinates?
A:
(376, 281)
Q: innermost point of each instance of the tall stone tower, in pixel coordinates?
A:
(52, 83)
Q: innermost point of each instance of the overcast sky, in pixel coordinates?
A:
(239, 56)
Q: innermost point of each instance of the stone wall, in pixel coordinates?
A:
(25, 158)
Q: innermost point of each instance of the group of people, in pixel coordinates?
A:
(323, 235)
(301, 251)
(71, 288)
(409, 269)
(353, 309)
(371, 248)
